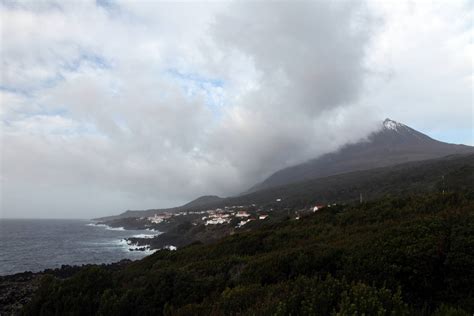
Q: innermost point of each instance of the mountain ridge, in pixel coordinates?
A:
(392, 144)
(405, 178)
(198, 202)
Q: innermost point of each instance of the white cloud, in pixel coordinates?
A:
(426, 50)
(149, 104)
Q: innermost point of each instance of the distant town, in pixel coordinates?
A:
(241, 215)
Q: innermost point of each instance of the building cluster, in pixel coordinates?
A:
(230, 214)
(235, 215)
(158, 218)
(216, 218)
(226, 215)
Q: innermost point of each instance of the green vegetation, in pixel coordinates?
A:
(395, 256)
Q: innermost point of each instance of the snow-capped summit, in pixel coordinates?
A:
(391, 124)
(394, 143)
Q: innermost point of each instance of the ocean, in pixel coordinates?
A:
(38, 244)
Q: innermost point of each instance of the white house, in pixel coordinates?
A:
(317, 207)
(242, 214)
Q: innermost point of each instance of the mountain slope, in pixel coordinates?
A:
(395, 143)
(201, 201)
(197, 203)
(453, 173)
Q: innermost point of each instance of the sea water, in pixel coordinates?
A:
(38, 244)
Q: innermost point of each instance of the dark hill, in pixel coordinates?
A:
(454, 172)
(394, 143)
(202, 201)
(197, 203)
(395, 256)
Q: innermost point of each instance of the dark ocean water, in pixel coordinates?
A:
(35, 245)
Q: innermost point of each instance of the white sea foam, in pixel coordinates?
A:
(96, 225)
(105, 226)
(144, 236)
(127, 245)
(114, 228)
(146, 251)
(123, 242)
(135, 247)
(149, 251)
(170, 247)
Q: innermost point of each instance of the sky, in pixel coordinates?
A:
(113, 105)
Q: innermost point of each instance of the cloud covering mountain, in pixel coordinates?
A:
(111, 105)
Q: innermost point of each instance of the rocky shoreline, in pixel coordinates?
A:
(175, 232)
(17, 290)
(186, 227)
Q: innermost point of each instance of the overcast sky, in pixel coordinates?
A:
(114, 105)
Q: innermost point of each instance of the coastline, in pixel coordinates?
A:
(38, 245)
(17, 290)
(128, 241)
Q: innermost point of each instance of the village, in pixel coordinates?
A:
(231, 215)
(184, 226)
(227, 215)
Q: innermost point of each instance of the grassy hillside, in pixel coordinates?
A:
(410, 255)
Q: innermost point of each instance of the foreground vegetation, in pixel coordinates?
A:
(395, 256)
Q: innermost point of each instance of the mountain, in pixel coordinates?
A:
(197, 203)
(393, 144)
(368, 166)
(451, 173)
(136, 213)
(201, 201)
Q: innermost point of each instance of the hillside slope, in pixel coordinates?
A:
(454, 172)
(393, 144)
(395, 256)
(197, 203)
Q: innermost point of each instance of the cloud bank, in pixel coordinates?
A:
(108, 106)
